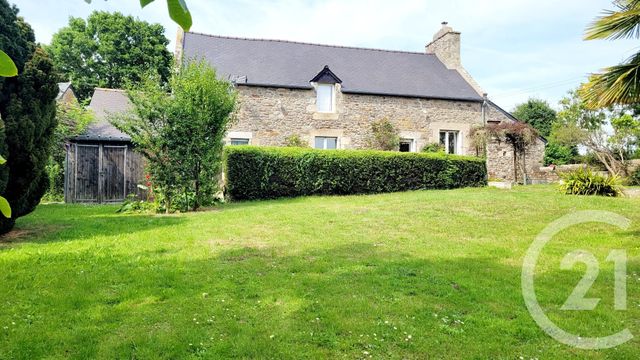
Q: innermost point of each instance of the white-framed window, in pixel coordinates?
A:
(239, 141)
(324, 98)
(325, 143)
(407, 145)
(450, 140)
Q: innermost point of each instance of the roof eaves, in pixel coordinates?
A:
(510, 116)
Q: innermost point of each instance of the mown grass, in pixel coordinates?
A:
(426, 274)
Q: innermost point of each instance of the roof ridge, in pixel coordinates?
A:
(308, 43)
(108, 89)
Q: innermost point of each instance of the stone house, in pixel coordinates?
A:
(330, 95)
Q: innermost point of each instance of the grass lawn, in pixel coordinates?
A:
(426, 274)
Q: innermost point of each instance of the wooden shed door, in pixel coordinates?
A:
(100, 173)
(87, 169)
(113, 172)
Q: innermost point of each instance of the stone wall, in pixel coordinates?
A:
(270, 115)
(267, 116)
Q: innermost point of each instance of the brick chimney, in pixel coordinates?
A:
(446, 46)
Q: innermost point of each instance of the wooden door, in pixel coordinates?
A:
(113, 173)
(86, 174)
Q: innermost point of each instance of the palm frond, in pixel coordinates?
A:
(621, 24)
(616, 85)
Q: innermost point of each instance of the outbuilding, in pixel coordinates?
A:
(101, 164)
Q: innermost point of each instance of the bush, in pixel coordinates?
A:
(634, 178)
(433, 148)
(556, 154)
(384, 136)
(264, 173)
(587, 182)
(295, 141)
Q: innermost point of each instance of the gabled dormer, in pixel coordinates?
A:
(326, 84)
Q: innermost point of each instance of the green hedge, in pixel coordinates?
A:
(268, 172)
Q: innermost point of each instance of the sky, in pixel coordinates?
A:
(515, 49)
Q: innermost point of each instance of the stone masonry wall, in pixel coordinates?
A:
(269, 115)
(500, 157)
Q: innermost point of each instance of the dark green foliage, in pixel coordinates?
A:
(538, 114)
(109, 50)
(27, 108)
(587, 182)
(264, 172)
(634, 178)
(556, 154)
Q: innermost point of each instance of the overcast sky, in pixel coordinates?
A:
(515, 49)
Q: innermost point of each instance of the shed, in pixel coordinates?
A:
(101, 164)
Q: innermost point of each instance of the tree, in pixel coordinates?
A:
(578, 124)
(619, 84)
(558, 154)
(181, 133)
(73, 119)
(538, 113)
(109, 50)
(27, 109)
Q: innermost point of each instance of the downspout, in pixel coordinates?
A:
(484, 109)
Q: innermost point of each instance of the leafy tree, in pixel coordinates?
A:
(109, 50)
(384, 136)
(619, 84)
(73, 119)
(181, 134)
(27, 108)
(538, 113)
(578, 124)
(558, 154)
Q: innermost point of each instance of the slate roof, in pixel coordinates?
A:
(104, 103)
(289, 64)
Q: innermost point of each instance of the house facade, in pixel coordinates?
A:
(329, 96)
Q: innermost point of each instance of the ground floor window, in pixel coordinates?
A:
(326, 143)
(406, 145)
(239, 141)
(449, 140)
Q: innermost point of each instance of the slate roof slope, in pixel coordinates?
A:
(365, 71)
(104, 103)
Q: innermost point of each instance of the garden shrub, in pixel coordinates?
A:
(587, 182)
(634, 178)
(266, 172)
(433, 148)
(295, 141)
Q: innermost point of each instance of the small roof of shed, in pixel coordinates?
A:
(106, 102)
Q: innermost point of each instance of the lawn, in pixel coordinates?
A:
(425, 274)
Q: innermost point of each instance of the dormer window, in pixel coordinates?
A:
(324, 99)
(325, 84)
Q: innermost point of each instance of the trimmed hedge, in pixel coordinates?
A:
(271, 172)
